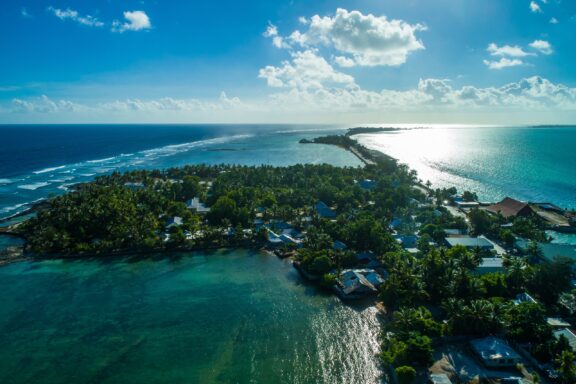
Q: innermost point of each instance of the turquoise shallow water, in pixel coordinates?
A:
(533, 164)
(222, 317)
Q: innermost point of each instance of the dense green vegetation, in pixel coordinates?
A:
(429, 293)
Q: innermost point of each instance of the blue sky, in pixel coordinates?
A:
(371, 61)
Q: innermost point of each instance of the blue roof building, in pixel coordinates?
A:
(325, 211)
(469, 242)
(196, 205)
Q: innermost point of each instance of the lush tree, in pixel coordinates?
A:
(550, 279)
(405, 374)
(480, 221)
(526, 322)
(224, 208)
(407, 320)
(566, 367)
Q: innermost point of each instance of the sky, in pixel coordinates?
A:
(288, 61)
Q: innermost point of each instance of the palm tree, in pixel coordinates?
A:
(566, 367)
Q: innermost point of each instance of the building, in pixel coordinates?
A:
(467, 204)
(368, 260)
(524, 298)
(287, 239)
(367, 184)
(469, 242)
(550, 250)
(450, 232)
(510, 208)
(439, 378)
(324, 211)
(569, 335)
(197, 206)
(274, 240)
(495, 352)
(490, 265)
(407, 241)
(557, 323)
(357, 283)
(395, 223)
(339, 246)
(175, 221)
(134, 186)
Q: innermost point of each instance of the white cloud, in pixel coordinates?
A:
(70, 14)
(503, 63)
(277, 40)
(554, 20)
(44, 104)
(534, 96)
(542, 46)
(368, 40)
(344, 61)
(47, 105)
(533, 93)
(506, 50)
(135, 21)
(534, 7)
(306, 70)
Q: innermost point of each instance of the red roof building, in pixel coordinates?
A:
(510, 208)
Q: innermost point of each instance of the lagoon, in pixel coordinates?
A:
(234, 316)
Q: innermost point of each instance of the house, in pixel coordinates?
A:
(324, 211)
(175, 221)
(355, 284)
(512, 380)
(469, 242)
(197, 206)
(339, 246)
(467, 204)
(368, 260)
(395, 223)
(490, 265)
(550, 250)
(439, 378)
(557, 323)
(134, 186)
(524, 298)
(374, 278)
(569, 335)
(367, 184)
(454, 232)
(274, 240)
(287, 239)
(407, 241)
(551, 207)
(495, 352)
(258, 223)
(510, 208)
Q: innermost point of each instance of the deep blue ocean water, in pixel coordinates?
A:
(39, 161)
(527, 163)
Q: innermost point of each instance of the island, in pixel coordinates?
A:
(449, 274)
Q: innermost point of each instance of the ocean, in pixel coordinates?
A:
(536, 164)
(229, 316)
(40, 161)
(221, 317)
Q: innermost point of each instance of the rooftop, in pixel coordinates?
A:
(197, 205)
(569, 335)
(469, 242)
(510, 208)
(324, 210)
(550, 250)
(440, 378)
(492, 348)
